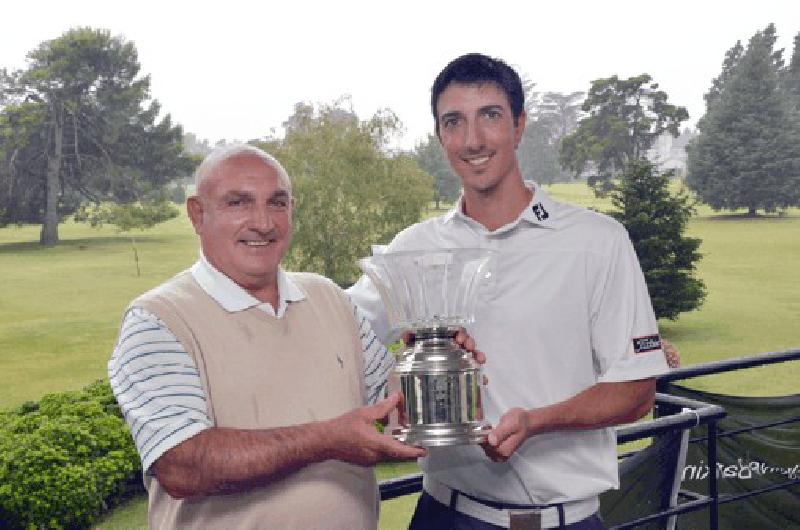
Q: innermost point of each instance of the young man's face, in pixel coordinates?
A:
(243, 215)
(477, 131)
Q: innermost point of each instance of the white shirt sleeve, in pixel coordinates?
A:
(625, 340)
(378, 361)
(366, 297)
(157, 386)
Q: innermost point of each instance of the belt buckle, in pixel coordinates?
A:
(525, 519)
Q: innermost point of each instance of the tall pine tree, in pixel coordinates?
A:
(748, 152)
(78, 124)
(791, 75)
(656, 221)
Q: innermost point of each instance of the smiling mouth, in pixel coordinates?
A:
(477, 161)
(258, 243)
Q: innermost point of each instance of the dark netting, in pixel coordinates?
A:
(748, 461)
(646, 480)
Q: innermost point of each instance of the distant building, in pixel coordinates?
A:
(670, 152)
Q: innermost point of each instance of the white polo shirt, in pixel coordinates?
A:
(565, 306)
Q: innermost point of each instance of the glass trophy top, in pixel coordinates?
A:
(428, 289)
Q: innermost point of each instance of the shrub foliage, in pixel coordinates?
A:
(65, 459)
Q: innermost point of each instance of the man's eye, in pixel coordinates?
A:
(279, 205)
(492, 114)
(448, 123)
(235, 202)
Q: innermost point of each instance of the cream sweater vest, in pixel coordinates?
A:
(259, 372)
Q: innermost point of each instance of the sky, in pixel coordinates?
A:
(234, 69)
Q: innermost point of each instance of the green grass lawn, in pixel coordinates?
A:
(60, 308)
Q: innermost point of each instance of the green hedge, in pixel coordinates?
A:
(65, 459)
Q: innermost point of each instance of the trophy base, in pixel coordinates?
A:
(442, 435)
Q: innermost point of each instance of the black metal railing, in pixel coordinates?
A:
(698, 414)
(670, 416)
(728, 365)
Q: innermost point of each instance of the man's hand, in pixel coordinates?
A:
(355, 439)
(672, 355)
(513, 428)
(462, 338)
(601, 405)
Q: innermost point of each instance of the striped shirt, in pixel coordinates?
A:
(157, 383)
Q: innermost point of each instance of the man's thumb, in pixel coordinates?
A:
(385, 406)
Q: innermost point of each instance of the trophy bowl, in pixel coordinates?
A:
(432, 294)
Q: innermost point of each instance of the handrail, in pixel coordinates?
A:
(701, 413)
(729, 365)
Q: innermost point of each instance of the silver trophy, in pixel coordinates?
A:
(432, 294)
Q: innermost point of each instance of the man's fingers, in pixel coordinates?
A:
(479, 357)
(382, 408)
(492, 453)
(400, 450)
(503, 430)
(464, 340)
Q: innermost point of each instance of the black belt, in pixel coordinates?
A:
(454, 493)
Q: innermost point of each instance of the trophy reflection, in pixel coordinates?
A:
(432, 294)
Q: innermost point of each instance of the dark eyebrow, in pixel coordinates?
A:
(281, 194)
(451, 114)
(492, 107)
(235, 194)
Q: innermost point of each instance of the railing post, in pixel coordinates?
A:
(713, 515)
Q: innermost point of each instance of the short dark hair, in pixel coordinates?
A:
(476, 68)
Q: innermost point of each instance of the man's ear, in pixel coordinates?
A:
(194, 207)
(520, 128)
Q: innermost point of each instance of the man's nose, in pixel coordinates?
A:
(474, 136)
(262, 219)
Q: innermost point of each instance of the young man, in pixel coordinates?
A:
(245, 386)
(564, 316)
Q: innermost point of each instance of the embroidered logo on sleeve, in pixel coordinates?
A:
(646, 344)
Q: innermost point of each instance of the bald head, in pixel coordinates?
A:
(219, 156)
(242, 211)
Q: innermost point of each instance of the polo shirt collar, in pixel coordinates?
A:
(541, 211)
(233, 298)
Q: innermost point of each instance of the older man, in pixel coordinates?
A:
(245, 386)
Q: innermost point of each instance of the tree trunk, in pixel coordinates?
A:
(49, 234)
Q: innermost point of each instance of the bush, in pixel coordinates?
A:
(65, 459)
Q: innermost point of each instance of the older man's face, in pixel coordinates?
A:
(243, 215)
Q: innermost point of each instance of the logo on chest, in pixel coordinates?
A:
(539, 211)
